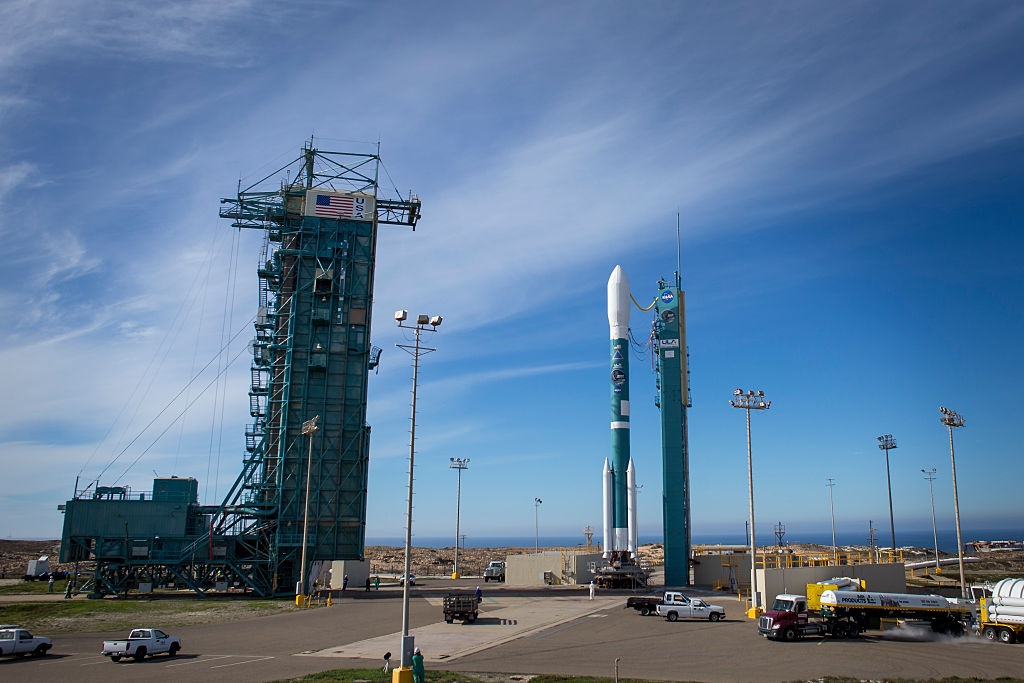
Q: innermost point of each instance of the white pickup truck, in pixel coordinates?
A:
(141, 642)
(678, 606)
(18, 641)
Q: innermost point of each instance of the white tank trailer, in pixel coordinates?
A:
(848, 613)
(1002, 612)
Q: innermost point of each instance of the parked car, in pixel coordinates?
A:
(678, 606)
(141, 642)
(19, 642)
(412, 580)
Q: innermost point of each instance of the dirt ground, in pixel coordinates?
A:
(15, 555)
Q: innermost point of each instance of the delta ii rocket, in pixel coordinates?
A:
(620, 534)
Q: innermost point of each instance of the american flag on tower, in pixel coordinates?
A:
(339, 205)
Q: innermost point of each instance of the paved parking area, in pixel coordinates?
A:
(545, 630)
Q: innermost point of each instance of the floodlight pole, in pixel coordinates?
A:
(415, 351)
(951, 419)
(930, 476)
(458, 464)
(308, 427)
(886, 443)
(835, 551)
(751, 401)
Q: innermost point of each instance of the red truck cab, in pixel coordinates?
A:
(787, 618)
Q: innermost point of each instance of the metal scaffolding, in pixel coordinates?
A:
(311, 355)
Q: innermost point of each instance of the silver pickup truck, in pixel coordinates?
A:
(141, 642)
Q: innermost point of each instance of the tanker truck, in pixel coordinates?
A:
(1002, 611)
(846, 614)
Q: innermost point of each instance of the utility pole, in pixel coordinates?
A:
(415, 351)
(458, 464)
(952, 419)
(780, 534)
(930, 476)
(536, 523)
(751, 401)
(887, 443)
(871, 538)
(835, 551)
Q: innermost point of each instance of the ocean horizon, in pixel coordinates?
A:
(910, 538)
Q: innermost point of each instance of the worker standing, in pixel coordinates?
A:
(593, 589)
(417, 666)
(479, 595)
(376, 583)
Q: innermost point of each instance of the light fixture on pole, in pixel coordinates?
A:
(835, 551)
(536, 523)
(887, 443)
(415, 350)
(751, 401)
(308, 427)
(458, 464)
(951, 419)
(930, 476)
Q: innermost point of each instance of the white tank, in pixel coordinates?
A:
(1009, 588)
(1005, 611)
(888, 601)
(1009, 602)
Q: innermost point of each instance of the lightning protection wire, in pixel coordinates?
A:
(175, 398)
(232, 266)
(169, 337)
(195, 347)
(182, 413)
(224, 394)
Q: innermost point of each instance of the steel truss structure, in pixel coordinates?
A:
(311, 357)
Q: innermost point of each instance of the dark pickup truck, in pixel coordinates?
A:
(462, 606)
(643, 604)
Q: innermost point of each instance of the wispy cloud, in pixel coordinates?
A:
(181, 29)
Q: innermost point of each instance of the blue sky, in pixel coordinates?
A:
(848, 179)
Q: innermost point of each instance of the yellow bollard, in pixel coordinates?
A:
(402, 674)
(455, 575)
(298, 600)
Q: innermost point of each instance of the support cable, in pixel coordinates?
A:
(175, 398)
(397, 193)
(195, 347)
(181, 414)
(224, 394)
(235, 238)
(131, 400)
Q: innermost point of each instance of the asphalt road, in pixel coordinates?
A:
(651, 648)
